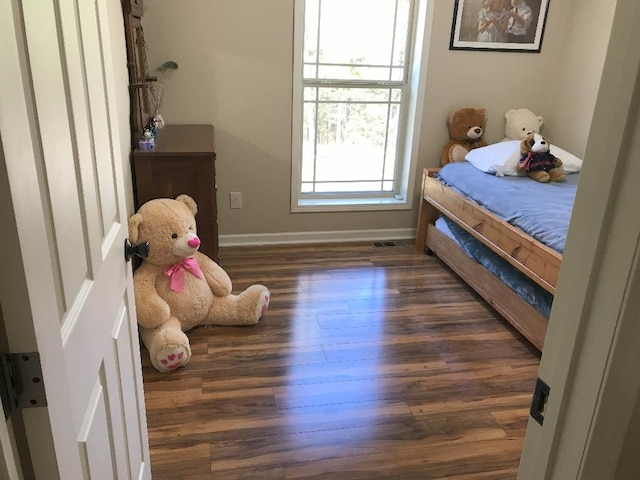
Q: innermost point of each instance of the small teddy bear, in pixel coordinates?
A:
(466, 129)
(178, 288)
(521, 122)
(537, 161)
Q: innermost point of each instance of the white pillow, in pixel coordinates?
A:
(502, 158)
(570, 162)
(491, 158)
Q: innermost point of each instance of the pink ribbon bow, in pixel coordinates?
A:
(526, 161)
(176, 273)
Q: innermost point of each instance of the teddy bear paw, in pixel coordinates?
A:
(263, 303)
(540, 175)
(557, 175)
(457, 153)
(171, 358)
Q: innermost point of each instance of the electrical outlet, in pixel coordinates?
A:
(235, 199)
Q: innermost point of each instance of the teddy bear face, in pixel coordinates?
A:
(521, 122)
(467, 124)
(534, 142)
(170, 228)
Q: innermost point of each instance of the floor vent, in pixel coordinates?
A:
(388, 244)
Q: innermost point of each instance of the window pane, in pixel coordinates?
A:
(308, 142)
(310, 53)
(357, 38)
(310, 71)
(356, 135)
(402, 31)
(350, 142)
(342, 187)
(397, 74)
(310, 93)
(356, 31)
(349, 162)
(392, 138)
(341, 94)
(353, 72)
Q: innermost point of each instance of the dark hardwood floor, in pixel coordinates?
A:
(371, 363)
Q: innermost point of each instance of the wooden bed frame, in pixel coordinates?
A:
(534, 259)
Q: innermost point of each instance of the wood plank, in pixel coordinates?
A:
(266, 473)
(431, 461)
(347, 443)
(174, 461)
(427, 213)
(534, 259)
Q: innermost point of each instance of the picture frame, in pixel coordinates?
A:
(499, 25)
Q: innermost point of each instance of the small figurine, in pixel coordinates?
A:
(158, 120)
(146, 141)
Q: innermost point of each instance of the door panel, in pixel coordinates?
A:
(53, 127)
(86, 166)
(94, 64)
(120, 379)
(94, 435)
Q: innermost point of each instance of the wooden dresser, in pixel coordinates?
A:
(183, 161)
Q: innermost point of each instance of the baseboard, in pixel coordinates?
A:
(316, 237)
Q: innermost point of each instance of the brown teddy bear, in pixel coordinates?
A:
(466, 129)
(178, 288)
(537, 161)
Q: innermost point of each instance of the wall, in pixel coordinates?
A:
(235, 71)
(569, 108)
(235, 64)
(496, 81)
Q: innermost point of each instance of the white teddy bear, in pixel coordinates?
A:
(521, 122)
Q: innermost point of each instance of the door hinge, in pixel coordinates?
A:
(539, 402)
(21, 383)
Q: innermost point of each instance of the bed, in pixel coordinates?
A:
(504, 236)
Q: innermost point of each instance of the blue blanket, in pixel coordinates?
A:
(527, 289)
(542, 210)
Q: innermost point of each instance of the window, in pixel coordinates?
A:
(355, 104)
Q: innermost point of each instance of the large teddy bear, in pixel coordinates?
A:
(466, 129)
(521, 122)
(178, 288)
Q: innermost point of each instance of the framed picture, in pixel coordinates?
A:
(500, 25)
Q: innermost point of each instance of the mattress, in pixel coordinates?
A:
(542, 210)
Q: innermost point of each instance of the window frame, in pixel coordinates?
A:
(410, 123)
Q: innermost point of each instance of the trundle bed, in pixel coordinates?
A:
(492, 233)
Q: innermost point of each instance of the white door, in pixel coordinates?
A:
(591, 354)
(65, 288)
